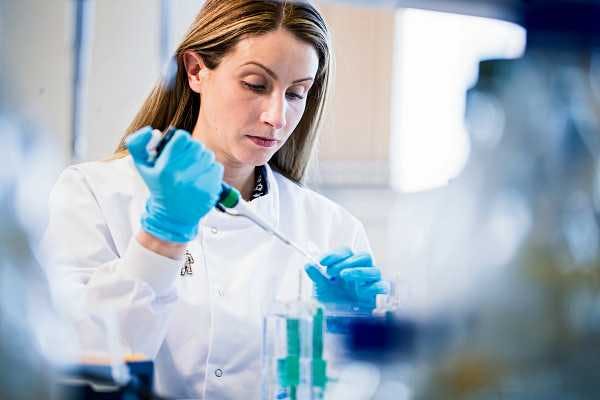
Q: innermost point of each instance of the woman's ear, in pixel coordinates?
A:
(195, 69)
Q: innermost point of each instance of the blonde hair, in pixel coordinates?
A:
(219, 26)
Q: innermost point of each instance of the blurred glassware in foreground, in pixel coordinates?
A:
(32, 338)
(535, 125)
(508, 263)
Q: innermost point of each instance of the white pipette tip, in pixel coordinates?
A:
(323, 271)
(311, 250)
(314, 262)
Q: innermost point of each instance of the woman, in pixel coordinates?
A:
(189, 284)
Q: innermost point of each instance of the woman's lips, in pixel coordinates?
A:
(263, 142)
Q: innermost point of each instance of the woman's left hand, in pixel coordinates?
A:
(353, 282)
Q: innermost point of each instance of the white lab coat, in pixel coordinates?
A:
(203, 331)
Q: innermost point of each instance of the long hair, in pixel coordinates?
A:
(219, 26)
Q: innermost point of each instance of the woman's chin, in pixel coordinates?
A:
(254, 158)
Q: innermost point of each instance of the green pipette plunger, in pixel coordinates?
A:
(229, 197)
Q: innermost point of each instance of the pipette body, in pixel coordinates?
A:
(231, 203)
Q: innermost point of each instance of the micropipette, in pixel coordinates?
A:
(231, 203)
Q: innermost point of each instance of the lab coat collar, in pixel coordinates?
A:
(266, 206)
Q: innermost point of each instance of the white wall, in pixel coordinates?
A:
(35, 63)
(125, 64)
(359, 109)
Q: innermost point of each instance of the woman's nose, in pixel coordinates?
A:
(274, 114)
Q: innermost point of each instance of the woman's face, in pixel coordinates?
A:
(255, 98)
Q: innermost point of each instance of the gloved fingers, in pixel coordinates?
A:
(336, 256)
(354, 261)
(136, 144)
(205, 161)
(218, 169)
(198, 163)
(178, 145)
(206, 156)
(315, 275)
(189, 164)
(201, 154)
(215, 172)
(197, 155)
(372, 290)
(361, 275)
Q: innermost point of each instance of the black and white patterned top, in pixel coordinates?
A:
(261, 186)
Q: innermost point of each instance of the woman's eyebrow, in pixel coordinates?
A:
(273, 74)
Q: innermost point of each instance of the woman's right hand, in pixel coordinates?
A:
(184, 183)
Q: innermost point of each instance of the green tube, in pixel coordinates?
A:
(319, 365)
(288, 368)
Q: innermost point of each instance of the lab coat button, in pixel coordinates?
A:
(218, 373)
(220, 292)
(214, 230)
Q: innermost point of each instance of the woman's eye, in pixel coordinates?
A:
(294, 96)
(255, 88)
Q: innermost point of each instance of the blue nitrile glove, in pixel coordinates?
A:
(184, 183)
(354, 281)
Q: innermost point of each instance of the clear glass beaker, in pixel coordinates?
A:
(292, 351)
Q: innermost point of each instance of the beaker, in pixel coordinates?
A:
(292, 351)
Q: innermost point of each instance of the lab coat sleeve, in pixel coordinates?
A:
(112, 299)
